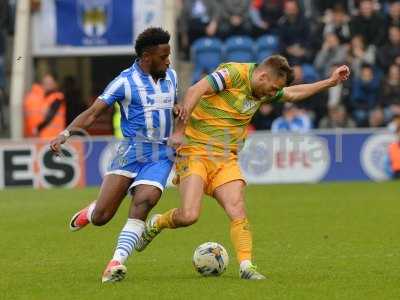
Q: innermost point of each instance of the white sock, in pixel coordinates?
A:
(244, 264)
(90, 211)
(128, 238)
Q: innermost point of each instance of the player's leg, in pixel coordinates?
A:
(99, 212)
(191, 191)
(231, 197)
(123, 168)
(229, 193)
(146, 191)
(145, 197)
(191, 175)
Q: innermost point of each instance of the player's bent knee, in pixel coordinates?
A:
(149, 202)
(100, 218)
(189, 218)
(236, 210)
(152, 201)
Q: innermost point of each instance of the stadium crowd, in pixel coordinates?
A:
(315, 36)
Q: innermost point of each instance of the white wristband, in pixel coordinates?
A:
(65, 133)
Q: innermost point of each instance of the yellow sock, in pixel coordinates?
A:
(241, 239)
(166, 220)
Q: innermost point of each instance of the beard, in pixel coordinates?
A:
(159, 74)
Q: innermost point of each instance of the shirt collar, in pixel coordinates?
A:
(137, 67)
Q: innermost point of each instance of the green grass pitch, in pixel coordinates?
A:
(323, 241)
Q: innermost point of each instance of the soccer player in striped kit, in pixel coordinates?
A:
(217, 110)
(146, 94)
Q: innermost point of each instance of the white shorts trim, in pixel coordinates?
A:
(147, 182)
(122, 173)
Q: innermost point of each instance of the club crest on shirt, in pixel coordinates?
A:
(249, 105)
(164, 98)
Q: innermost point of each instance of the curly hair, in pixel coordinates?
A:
(151, 37)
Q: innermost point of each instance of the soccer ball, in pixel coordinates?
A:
(210, 259)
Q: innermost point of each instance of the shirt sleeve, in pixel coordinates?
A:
(115, 91)
(174, 79)
(225, 77)
(278, 96)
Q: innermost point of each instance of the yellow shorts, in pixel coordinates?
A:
(215, 171)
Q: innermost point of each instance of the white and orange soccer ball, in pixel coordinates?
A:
(210, 259)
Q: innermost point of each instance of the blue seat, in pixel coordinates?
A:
(266, 45)
(309, 73)
(206, 56)
(239, 49)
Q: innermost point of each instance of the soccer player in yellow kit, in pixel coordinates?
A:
(212, 129)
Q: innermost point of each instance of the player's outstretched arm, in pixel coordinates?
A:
(303, 91)
(82, 121)
(190, 100)
(192, 97)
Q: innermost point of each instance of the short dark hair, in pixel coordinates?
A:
(280, 66)
(151, 37)
(365, 65)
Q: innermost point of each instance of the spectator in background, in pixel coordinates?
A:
(359, 54)
(365, 92)
(199, 18)
(392, 126)
(234, 18)
(337, 118)
(73, 98)
(323, 5)
(292, 120)
(338, 94)
(393, 18)
(337, 22)
(394, 154)
(294, 33)
(45, 109)
(389, 98)
(264, 16)
(368, 23)
(331, 53)
(376, 118)
(315, 107)
(390, 53)
(264, 117)
(33, 114)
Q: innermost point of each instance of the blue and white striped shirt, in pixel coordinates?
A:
(146, 106)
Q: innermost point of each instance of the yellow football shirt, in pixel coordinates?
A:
(218, 124)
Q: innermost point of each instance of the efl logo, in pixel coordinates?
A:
(285, 158)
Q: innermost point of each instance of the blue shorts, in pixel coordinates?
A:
(145, 163)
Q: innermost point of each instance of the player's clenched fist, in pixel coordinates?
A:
(341, 73)
(180, 112)
(55, 144)
(175, 140)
